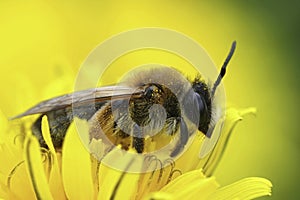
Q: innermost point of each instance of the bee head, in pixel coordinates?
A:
(202, 100)
(203, 96)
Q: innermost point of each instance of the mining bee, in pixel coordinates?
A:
(123, 113)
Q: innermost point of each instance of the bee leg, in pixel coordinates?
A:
(183, 138)
(36, 129)
(138, 140)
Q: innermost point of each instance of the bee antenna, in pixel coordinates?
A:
(223, 69)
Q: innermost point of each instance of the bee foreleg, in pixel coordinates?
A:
(138, 139)
(183, 138)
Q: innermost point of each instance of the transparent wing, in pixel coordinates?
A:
(84, 97)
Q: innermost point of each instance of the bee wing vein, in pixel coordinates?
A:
(83, 97)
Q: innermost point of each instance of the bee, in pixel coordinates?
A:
(124, 113)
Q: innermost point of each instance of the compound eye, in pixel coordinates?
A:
(204, 115)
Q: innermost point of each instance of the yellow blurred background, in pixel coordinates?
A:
(43, 43)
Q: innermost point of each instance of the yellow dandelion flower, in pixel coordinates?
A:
(74, 174)
(31, 172)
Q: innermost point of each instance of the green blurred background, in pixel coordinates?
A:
(44, 42)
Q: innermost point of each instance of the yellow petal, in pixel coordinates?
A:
(76, 167)
(13, 172)
(55, 179)
(35, 169)
(56, 184)
(191, 185)
(118, 183)
(197, 189)
(200, 146)
(46, 134)
(245, 189)
(191, 154)
(210, 143)
(233, 116)
(11, 155)
(184, 179)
